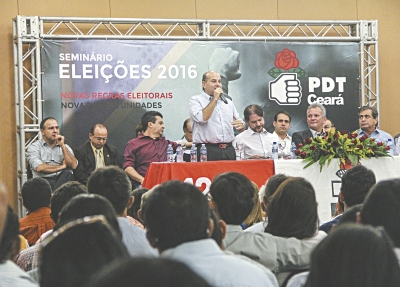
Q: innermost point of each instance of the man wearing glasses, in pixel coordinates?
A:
(50, 157)
(95, 153)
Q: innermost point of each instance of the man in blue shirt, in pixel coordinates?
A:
(368, 120)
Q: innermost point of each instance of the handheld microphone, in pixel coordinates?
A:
(222, 97)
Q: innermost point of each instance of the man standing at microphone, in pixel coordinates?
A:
(213, 117)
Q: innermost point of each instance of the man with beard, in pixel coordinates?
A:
(255, 142)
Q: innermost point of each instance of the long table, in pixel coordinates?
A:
(326, 183)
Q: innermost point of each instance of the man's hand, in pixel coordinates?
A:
(238, 124)
(285, 90)
(60, 140)
(225, 61)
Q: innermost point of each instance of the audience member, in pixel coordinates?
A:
(36, 193)
(27, 259)
(316, 117)
(77, 250)
(281, 127)
(133, 210)
(95, 153)
(350, 215)
(213, 120)
(148, 147)
(50, 157)
(255, 142)
(368, 121)
(356, 183)
(232, 199)
(157, 272)
(10, 273)
(182, 207)
(112, 183)
(354, 255)
(255, 215)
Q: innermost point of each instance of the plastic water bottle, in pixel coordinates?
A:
(203, 153)
(274, 150)
(170, 153)
(193, 154)
(389, 143)
(293, 151)
(179, 153)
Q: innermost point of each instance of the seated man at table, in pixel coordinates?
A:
(368, 120)
(316, 117)
(282, 125)
(148, 147)
(187, 139)
(50, 157)
(255, 142)
(95, 153)
(232, 200)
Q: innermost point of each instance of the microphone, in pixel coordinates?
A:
(222, 97)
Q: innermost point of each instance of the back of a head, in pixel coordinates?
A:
(10, 235)
(36, 193)
(382, 208)
(145, 272)
(273, 183)
(112, 183)
(137, 194)
(292, 210)
(354, 255)
(356, 183)
(62, 195)
(84, 205)
(232, 193)
(71, 255)
(176, 213)
(350, 215)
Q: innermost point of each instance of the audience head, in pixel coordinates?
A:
(144, 272)
(36, 193)
(98, 135)
(64, 194)
(112, 183)
(382, 208)
(137, 195)
(356, 183)
(88, 205)
(10, 240)
(256, 214)
(292, 210)
(70, 255)
(176, 213)
(355, 256)
(232, 197)
(273, 183)
(351, 214)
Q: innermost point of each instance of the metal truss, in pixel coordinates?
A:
(29, 31)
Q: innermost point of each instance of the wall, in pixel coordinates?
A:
(385, 11)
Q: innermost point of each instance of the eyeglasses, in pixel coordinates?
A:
(186, 130)
(99, 138)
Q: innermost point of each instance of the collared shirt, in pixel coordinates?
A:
(13, 276)
(218, 128)
(40, 152)
(254, 143)
(315, 133)
(135, 239)
(207, 259)
(288, 140)
(276, 253)
(143, 150)
(35, 224)
(28, 259)
(377, 134)
(95, 154)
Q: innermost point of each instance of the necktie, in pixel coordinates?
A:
(99, 160)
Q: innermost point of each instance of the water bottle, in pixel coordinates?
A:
(389, 143)
(274, 150)
(293, 149)
(193, 154)
(203, 153)
(179, 153)
(170, 153)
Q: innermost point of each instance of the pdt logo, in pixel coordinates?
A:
(286, 89)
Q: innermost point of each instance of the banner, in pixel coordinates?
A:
(115, 81)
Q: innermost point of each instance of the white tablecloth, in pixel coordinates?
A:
(327, 183)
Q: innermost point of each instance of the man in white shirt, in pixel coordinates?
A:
(255, 142)
(282, 125)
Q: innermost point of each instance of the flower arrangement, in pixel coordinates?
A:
(347, 147)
